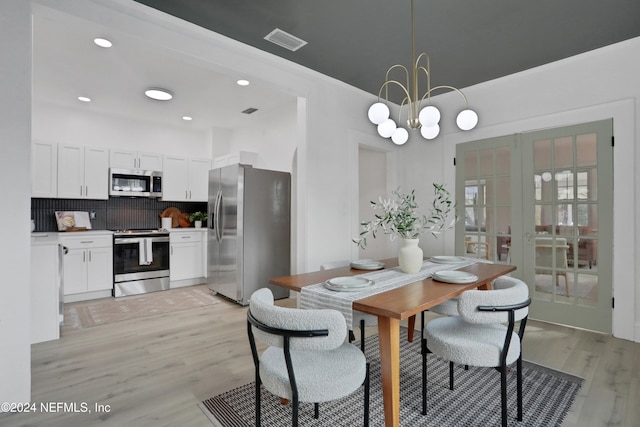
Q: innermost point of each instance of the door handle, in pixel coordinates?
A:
(218, 215)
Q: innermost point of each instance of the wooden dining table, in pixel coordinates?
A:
(393, 306)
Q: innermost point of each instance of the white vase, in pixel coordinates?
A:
(410, 256)
(198, 224)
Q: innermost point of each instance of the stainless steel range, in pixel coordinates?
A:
(140, 261)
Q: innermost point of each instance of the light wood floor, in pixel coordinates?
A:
(154, 370)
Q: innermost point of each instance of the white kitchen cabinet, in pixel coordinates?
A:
(83, 172)
(124, 159)
(46, 313)
(187, 257)
(44, 169)
(87, 266)
(185, 179)
(241, 157)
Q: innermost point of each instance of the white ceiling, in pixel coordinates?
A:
(67, 64)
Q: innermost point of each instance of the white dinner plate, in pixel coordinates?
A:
(367, 264)
(348, 284)
(454, 276)
(447, 259)
(348, 281)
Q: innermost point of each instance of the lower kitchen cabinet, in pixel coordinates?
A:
(87, 267)
(46, 308)
(187, 258)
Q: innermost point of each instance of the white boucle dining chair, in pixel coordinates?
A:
(308, 359)
(477, 337)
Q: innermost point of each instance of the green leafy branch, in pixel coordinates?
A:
(400, 216)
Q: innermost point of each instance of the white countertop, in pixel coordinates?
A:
(192, 229)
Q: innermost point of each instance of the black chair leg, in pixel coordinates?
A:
(294, 412)
(450, 375)
(352, 337)
(257, 398)
(519, 379)
(362, 335)
(424, 375)
(503, 394)
(316, 410)
(366, 398)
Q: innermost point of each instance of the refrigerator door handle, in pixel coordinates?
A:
(218, 210)
(220, 218)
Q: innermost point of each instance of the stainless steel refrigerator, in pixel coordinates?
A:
(249, 231)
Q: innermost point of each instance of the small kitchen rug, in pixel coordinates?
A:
(85, 314)
(547, 397)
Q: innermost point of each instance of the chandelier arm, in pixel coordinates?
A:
(428, 93)
(404, 101)
(406, 73)
(386, 83)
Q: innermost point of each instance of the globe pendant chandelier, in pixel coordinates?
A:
(426, 119)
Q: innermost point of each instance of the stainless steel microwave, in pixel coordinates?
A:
(135, 183)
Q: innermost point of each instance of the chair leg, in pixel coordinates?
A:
(503, 394)
(519, 379)
(362, 335)
(450, 375)
(352, 337)
(316, 410)
(257, 398)
(294, 412)
(366, 398)
(424, 376)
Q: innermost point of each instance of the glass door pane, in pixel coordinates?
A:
(484, 190)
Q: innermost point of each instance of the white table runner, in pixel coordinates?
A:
(318, 296)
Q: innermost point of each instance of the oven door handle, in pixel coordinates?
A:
(136, 240)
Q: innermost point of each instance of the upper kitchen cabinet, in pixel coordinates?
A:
(44, 169)
(123, 159)
(185, 179)
(83, 172)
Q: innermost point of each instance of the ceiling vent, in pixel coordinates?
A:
(250, 110)
(285, 40)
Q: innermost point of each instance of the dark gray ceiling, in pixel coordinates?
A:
(469, 41)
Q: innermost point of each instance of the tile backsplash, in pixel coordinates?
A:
(112, 214)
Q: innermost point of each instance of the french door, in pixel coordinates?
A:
(543, 201)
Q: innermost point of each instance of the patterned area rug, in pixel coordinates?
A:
(85, 314)
(547, 397)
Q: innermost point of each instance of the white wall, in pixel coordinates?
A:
(76, 126)
(15, 251)
(273, 136)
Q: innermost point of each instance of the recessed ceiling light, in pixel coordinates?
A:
(158, 94)
(243, 82)
(84, 99)
(187, 118)
(102, 42)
